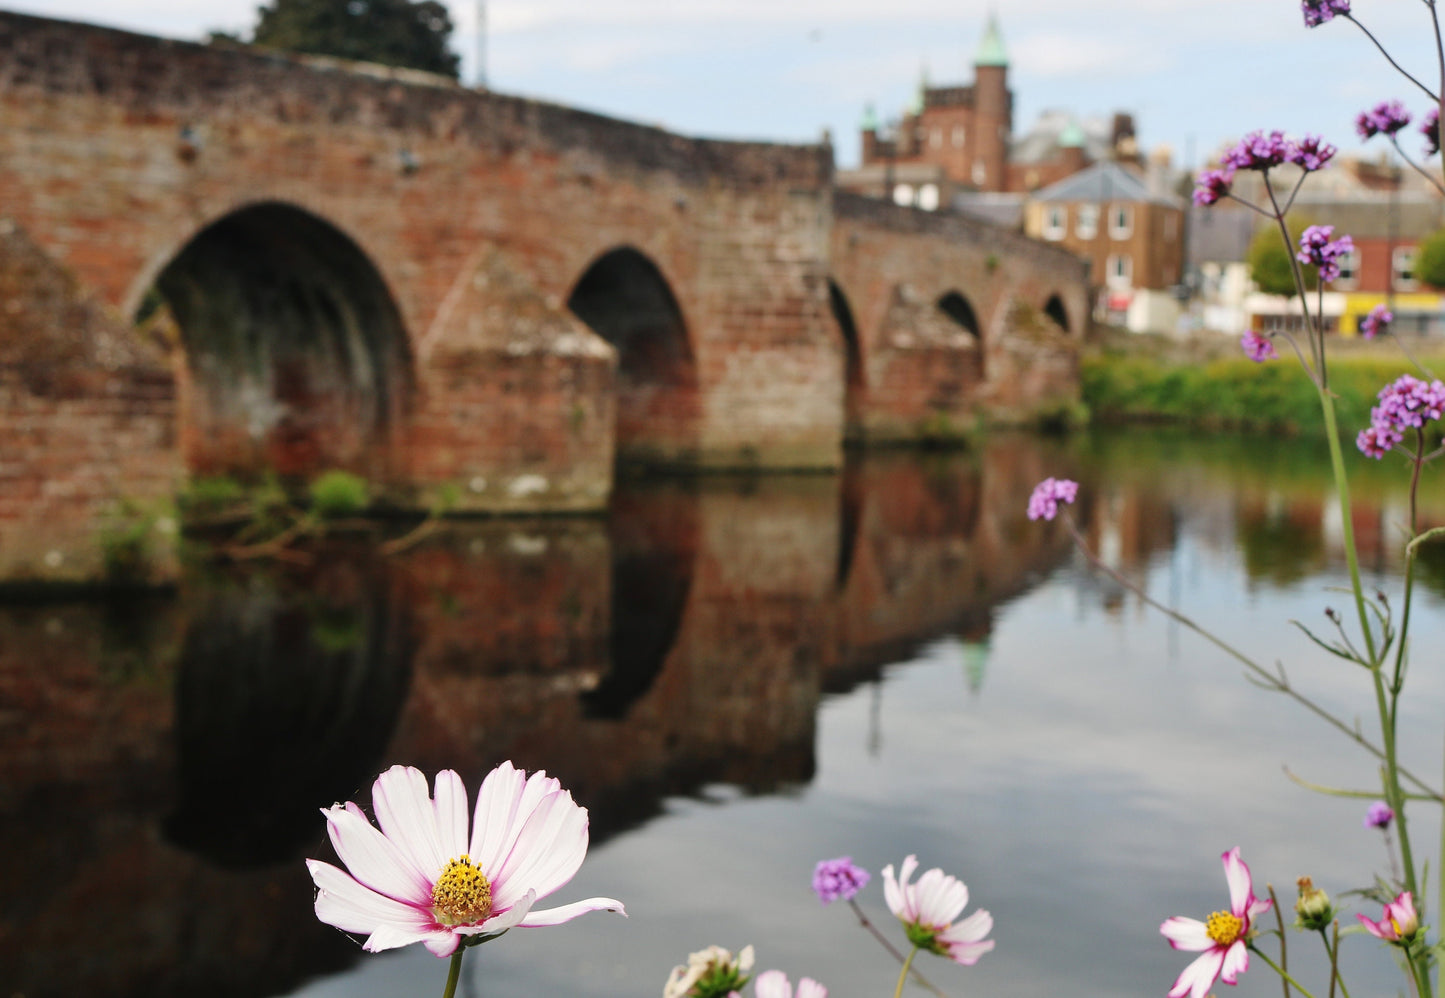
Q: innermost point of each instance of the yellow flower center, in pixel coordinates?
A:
(462, 895)
(1224, 928)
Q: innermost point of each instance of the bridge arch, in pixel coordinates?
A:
(296, 356)
(624, 298)
(958, 308)
(854, 380)
(1058, 313)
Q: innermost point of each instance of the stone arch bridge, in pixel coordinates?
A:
(443, 289)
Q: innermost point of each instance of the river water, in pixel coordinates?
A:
(738, 676)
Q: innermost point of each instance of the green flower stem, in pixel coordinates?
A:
(1279, 970)
(903, 974)
(454, 973)
(883, 941)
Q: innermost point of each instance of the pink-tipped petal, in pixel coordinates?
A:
(892, 895)
(1258, 907)
(1380, 929)
(444, 943)
(567, 912)
(440, 941)
(968, 954)
(772, 984)
(1241, 887)
(548, 850)
(352, 907)
(1197, 978)
(403, 805)
(1186, 934)
(809, 988)
(373, 859)
(1236, 962)
(500, 923)
(451, 814)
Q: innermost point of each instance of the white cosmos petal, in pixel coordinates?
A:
(372, 858)
(353, 907)
(443, 942)
(451, 813)
(772, 984)
(891, 894)
(1186, 933)
(1196, 979)
(506, 800)
(1240, 886)
(567, 912)
(970, 930)
(1236, 962)
(809, 988)
(548, 851)
(403, 807)
(440, 941)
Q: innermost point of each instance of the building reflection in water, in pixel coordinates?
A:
(162, 763)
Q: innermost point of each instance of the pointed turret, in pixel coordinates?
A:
(990, 50)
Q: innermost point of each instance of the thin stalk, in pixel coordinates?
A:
(1265, 676)
(903, 974)
(1316, 373)
(1401, 69)
(1430, 177)
(1279, 970)
(1283, 954)
(454, 973)
(1334, 953)
(883, 941)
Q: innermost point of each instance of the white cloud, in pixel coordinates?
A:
(1055, 55)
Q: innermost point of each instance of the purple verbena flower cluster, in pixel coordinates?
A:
(1379, 815)
(1256, 347)
(1430, 128)
(1317, 12)
(1316, 247)
(838, 879)
(1405, 404)
(1261, 151)
(1377, 322)
(1385, 118)
(1044, 503)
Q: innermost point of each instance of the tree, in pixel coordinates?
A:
(1430, 260)
(1269, 260)
(410, 33)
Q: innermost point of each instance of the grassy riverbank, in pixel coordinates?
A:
(1211, 384)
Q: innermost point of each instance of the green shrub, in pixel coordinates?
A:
(335, 494)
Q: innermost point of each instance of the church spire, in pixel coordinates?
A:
(990, 50)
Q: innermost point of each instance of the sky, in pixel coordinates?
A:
(1194, 73)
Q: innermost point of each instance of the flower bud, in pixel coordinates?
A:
(1313, 910)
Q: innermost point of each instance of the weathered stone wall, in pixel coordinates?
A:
(88, 462)
(923, 373)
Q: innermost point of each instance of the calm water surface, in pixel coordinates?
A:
(738, 677)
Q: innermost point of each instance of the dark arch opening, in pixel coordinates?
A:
(957, 308)
(852, 363)
(1055, 310)
(625, 299)
(297, 356)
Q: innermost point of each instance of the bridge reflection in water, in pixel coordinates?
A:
(162, 761)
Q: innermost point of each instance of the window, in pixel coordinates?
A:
(1349, 271)
(1086, 225)
(1402, 267)
(1121, 221)
(1119, 271)
(1055, 218)
(958, 136)
(935, 138)
(928, 197)
(903, 195)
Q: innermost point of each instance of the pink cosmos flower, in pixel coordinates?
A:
(423, 879)
(774, 984)
(1223, 938)
(1399, 924)
(928, 908)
